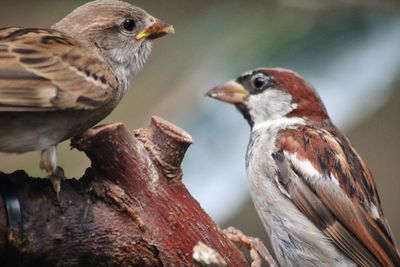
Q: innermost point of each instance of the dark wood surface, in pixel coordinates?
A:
(129, 209)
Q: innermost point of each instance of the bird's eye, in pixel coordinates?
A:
(128, 25)
(259, 81)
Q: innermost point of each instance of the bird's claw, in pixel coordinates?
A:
(55, 177)
(258, 251)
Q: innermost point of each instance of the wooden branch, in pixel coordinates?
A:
(129, 209)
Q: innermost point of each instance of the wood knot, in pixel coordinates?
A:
(167, 144)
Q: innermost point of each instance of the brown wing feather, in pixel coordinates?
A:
(45, 70)
(311, 206)
(352, 203)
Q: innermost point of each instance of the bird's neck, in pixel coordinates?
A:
(125, 67)
(278, 123)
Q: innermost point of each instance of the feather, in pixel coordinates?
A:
(43, 70)
(338, 195)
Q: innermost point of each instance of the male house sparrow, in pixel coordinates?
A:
(314, 194)
(58, 82)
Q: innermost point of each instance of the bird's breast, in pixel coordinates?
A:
(29, 131)
(295, 239)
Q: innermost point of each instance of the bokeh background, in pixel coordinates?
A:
(349, 49)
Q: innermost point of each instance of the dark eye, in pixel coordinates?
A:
(128, 25)
(259, 81)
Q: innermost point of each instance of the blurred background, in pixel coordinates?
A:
(348, 49)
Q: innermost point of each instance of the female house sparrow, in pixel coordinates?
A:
(315, 195)
(58, 82)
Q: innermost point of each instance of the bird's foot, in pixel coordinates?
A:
(255, 245)
(55, 177)
(48, 162)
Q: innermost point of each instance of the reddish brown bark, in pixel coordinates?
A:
(130, 208)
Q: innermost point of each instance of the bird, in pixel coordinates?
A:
(57, 82)
(314, 194)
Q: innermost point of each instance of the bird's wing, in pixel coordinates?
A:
(330, 183)
(44, 70)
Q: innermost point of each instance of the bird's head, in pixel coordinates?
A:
(268, 94)
(120, 32)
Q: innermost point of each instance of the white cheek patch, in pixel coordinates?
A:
(269, 105)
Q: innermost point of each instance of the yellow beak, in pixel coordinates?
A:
(156, 30)
(230, 92)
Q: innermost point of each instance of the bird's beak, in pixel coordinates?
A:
(156, 30)
(229, 92)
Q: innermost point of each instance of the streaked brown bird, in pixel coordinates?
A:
(313, 192)
(58, 82)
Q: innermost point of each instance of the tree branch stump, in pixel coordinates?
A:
(129, 209)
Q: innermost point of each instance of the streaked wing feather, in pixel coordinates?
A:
(346, 189)
(354, 217)
(44, 70)
(311, 206)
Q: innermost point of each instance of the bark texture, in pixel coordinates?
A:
(129, 209)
